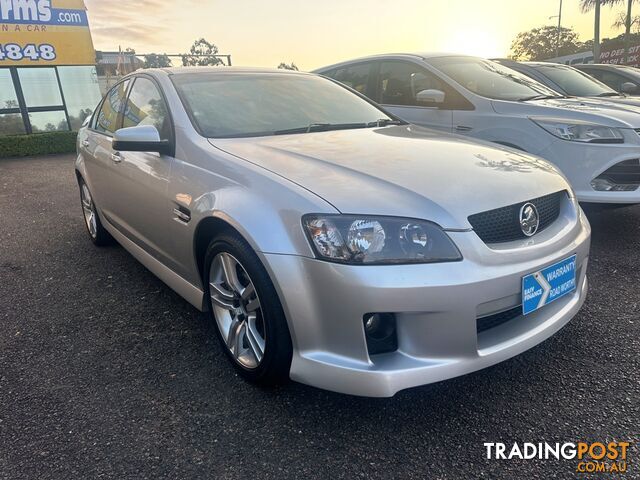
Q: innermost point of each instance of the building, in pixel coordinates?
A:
(48, 76)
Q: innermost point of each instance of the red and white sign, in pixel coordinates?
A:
(617, 56)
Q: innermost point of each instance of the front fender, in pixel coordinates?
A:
(269, 225)
(263, 207)
(527, 138)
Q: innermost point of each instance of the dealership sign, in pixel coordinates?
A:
(614, 56)
(45, 32)
(617, 56)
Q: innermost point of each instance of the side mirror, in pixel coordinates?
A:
(629, 87)
(430, 96)
(143, 138)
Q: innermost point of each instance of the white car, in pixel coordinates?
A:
(596, 144)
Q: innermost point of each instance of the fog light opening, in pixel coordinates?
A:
(380, 332)
(604, 185)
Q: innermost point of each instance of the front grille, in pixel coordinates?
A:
(503, 224)
(485, 323)
(623, 173)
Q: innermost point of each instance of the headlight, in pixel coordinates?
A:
(577, 131)
(361, 239)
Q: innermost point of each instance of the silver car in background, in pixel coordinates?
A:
(330, 242)
(569, 81)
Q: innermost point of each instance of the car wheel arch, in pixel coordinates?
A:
(207, 229)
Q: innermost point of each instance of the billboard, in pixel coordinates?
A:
(607, 55)
(616, 56)
(45, 32)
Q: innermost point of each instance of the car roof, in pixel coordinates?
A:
(508, 61)
(218, 70)
(602, 66)
(397, 55)
(546, 64)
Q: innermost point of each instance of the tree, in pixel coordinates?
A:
(201, 47)
(621, 22)
(288, 66)
(587, 5)
(540, 43)
(154, 60)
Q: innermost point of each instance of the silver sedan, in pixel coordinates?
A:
(330, 242)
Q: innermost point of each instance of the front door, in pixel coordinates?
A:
(143, 210)
(397, 87)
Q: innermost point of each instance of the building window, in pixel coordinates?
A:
(8, 97)
(48, 121)
(81, 92)
(40, 87)
(45, 99)
(11, 124)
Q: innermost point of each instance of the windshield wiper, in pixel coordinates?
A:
(321, 127)
(539, 97)
(609, 94)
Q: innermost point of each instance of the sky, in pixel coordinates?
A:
(317, 33)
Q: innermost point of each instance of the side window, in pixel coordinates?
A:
(400, 82)
(612, 80)
(354, 76)
(106, 121)
(146, 106)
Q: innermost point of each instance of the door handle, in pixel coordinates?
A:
(117, 157)
(85, 143)
(463, 128)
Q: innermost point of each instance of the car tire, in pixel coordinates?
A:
(245, 308)
(99, 236)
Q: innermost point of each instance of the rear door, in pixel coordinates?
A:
(142, 209)
(396, 86)
(99, 154)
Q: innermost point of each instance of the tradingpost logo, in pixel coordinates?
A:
(594, 457)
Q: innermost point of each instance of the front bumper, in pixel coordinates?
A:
(436, 307)
(582, 163)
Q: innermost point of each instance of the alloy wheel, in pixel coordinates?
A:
(89, 211)
(237, 310)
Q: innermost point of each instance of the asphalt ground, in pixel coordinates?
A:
(107, 373)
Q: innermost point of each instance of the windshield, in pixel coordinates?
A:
(574, 82)
(226, 105)
(491, 80)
